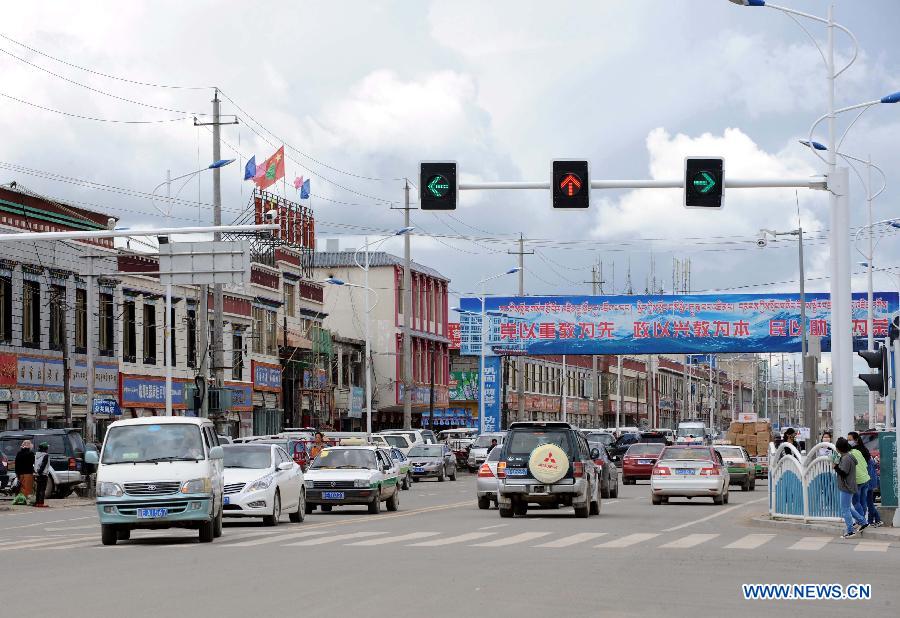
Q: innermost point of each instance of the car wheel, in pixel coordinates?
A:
(407, 481)
(275, 517)
(442, 476)
(520, 507)
(753, 485)
(50, 491)
(123, 534)
(745, 486)
(108, 534)
(453, 475)
(300, 515)
(217, 525)
(484, 502)
(207, 531)
(415, 479)
(505, 511)
(595, 507)
(719, 499)
(375, 505)
(393, 502)
(582, 511)
(725, 497)
(326, 508)
(309, 508)
(615, 490)
(656, 499)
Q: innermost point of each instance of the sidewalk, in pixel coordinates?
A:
(884, 533)
(72, 501)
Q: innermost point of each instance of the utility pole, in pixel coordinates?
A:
(596, 282)
(565, 388)
(56, 303)
(520, 360)
(90, 430)
(620, 391)
(407, 315)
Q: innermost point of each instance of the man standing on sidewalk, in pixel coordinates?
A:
(41, 472)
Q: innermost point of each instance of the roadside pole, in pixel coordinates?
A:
(407, 316)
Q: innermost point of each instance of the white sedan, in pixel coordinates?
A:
(262, 481)
(395, 440)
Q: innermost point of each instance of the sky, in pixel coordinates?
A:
(362, 91)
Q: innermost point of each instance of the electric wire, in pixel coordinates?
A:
(92, 118)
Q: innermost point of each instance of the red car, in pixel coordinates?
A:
(639, 460)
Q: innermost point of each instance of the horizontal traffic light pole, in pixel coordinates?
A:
(813, 182)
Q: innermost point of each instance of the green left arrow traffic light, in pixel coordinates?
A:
(703, 182)
(437, 185)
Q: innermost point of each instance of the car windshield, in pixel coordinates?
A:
(494, 455)
(256, 457)
(697, 432)
(686, 453)
(734, 452)
(152, 443)
(644, 448)
(11, 446)
(341, 458)
(652, 437)
(484, 440)
(398, 441)
(523, 442)
(410, 435)
(426, 451)
(601, 438)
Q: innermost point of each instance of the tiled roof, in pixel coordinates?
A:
(342, 259)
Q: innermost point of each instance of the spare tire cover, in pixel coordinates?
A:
(548, 463)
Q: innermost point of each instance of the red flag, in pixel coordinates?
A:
(273, 170)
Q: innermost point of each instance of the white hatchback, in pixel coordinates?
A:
(262, 481)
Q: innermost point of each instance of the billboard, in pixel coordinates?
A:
(657, 324)
(463, 385)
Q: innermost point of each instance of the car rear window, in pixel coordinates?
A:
(653, 437)
(687, 453)
(644, 448)
(523, 442)
(731, 452)
(10, 446)
(55, 443)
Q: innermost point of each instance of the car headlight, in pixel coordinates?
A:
(362, 483)
(197, 486)
(262, 483)
(109, 490)
(308, 483)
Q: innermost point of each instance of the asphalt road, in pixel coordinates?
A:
(441, 556)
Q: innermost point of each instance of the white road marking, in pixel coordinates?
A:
(91, 542)
(751, 541)
(412, 536)
(462, 538)
(494, 526)
(872, 546)
(335, 537)
(691, 540)
(629, 540)
(512, 540)
(273, 539)
(811, 543)
(42, 542)
(87, 527)
(605, 502)
(714, 515)
(574, 539)
(45, 523)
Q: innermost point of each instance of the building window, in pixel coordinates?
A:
(258, 333)
(237, 355)
(289, 299)
(149, 334)
(106, 325)
(191, 337)
(129, 332)
(80, 320)
(271, 333)
(57, 316)
(5, 309)
(31, 314)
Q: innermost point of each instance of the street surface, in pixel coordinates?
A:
(441, 556)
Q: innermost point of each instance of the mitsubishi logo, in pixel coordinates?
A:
(549, 458)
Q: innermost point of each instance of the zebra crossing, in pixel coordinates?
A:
(496, 538)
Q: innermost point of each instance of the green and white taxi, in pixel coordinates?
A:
(344, 475)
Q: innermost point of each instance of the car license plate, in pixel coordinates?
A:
(685, 471)
(226, 500)
(644, 462)
(333, 495)
(516, 471)
(418, 470)
(152, 513)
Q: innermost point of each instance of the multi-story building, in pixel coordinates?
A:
(345, 307)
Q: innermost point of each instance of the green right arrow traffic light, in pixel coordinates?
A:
(703, 182)
(876, 359)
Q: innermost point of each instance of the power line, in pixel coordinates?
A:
(93, 118)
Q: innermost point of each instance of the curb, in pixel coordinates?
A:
(877, 534)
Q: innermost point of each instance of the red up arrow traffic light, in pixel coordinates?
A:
(571, 184)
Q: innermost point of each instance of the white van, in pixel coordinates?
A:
(159, 472)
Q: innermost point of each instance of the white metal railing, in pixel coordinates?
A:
(803, 486)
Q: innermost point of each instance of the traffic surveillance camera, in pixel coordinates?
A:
(111, 223)
(271, 215)
(761, 242)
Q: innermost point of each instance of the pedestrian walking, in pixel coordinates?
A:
(317, 446)
(825, 451)
(865, 496)
(790, 436)
(25, 471)
(847, 488)
(41, 473)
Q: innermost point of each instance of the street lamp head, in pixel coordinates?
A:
(335, 281)
(891, 98)
(403, 231)
(866, 264)
(895, 224)
(814, 145)
(513, 270)
(220, 163)
(749, 2)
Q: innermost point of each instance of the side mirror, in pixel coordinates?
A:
(216, 452)
(285, 466)
(91, 458)
(595, 453)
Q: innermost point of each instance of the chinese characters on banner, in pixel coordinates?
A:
(492, 393)
(659, 324)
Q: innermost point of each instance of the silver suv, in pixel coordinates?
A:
(547, 464)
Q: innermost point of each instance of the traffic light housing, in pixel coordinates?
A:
(894, 329)
(877, 359)
(703, 182)
(571, 184)
(437, 185)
